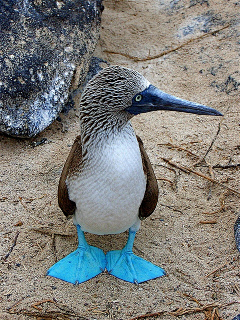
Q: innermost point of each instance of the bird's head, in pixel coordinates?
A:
(121, 90)
(112, 91)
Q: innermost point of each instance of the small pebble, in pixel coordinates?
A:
(18, 224)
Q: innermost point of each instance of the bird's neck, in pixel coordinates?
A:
(99, 131)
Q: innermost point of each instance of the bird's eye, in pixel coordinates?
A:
(138, 98)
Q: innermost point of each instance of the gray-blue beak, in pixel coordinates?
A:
(153, 99)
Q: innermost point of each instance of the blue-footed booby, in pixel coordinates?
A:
(108, 183)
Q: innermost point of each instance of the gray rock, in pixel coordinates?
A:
(201, 23)
(94, 67)
(45, 48)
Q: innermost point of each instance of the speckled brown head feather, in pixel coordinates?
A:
(104, 100)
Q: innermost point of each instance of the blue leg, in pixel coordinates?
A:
(125, 265)
(81, 265)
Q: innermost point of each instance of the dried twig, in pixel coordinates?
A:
(170, 145)
(15, 304)
(170, 50)
(36, 304)
(213, 140)
(58, 315)
(179, 312)
(170, 207)
(65, 312)
(148, 315)
(222, 205)
(210, 310)
(49, 231)
(182, 311)
(236, 288)
(214, 313)
(18, 224)
(164, 179)
(11, 248)
(229, 166)
(219, 268)
(22, 203)
(54, 247)
(208, 222)
(192, 298)
(174, 182)
(189, 170)
(52, 233)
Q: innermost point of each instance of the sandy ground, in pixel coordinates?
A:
(189, 49)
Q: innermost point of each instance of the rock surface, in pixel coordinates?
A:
(45, 47)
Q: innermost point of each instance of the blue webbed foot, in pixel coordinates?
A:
(81, 265)
(125, 265)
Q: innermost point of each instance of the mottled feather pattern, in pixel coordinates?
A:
(98, 111)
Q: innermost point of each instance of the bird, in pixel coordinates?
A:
(108, 184)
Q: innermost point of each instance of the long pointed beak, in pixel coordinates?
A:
(153, 99)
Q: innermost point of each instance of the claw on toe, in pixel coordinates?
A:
(131, 268)
(87, 261)
(125, 265)
(81, 265)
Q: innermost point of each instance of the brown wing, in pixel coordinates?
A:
(150, 199)
(74, 159)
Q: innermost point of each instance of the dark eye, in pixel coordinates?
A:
(138, 98)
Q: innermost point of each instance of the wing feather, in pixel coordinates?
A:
(73, 161)
(150, 199)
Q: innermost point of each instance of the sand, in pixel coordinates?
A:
(186, 48)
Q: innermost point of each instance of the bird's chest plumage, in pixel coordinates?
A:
(109, 190)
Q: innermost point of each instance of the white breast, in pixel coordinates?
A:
(109, 190)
